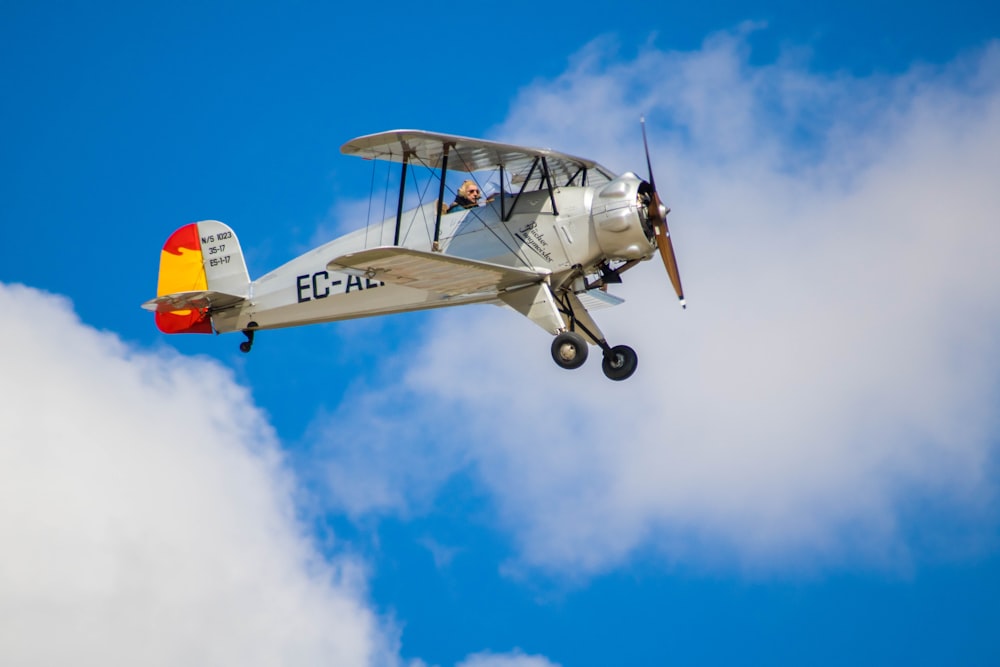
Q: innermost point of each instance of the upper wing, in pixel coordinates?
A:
(434, 272)
(469, 155)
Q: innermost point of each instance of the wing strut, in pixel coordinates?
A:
(503, 188)
(402, 191)
(548, 183)
(436, 246)
(583, 181)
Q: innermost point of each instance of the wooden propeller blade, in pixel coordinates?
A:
(649, 164)
(666, 247)
(659, 221)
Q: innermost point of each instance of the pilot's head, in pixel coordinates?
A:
(470, 191)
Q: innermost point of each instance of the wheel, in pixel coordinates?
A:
(620, 362)
(569, 350)
(245, 346)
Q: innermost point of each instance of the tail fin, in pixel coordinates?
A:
(201, 266)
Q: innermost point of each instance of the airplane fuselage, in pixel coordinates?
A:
(588, 227)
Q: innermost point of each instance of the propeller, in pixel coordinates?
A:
(657, 214)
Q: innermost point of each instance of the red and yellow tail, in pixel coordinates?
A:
(182, 269)
(201, 267)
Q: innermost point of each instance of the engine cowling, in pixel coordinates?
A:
(619, 220)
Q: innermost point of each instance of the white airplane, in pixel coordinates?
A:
(557, 232)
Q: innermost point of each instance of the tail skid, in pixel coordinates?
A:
(201, 270)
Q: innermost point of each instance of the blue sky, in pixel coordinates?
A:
(803, 469)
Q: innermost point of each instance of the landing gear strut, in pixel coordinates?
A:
(569, 349)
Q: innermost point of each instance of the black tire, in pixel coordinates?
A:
(569, 350)
(245, 346)
(619, 363)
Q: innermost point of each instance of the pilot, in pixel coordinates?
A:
(468, 196)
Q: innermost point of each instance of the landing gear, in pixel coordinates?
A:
(247, 345)
(619, 362)
(569, 350)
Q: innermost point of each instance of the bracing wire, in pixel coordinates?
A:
(420, 198)
(420, 203)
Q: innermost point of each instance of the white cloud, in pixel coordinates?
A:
(839, 361)
(514, 659)
(146, 516)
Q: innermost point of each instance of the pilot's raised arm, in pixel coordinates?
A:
(467, 197)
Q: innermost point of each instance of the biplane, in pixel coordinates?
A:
(555, 231)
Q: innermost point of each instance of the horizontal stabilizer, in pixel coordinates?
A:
(197, 300)
(434, 272)
(595, 299)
